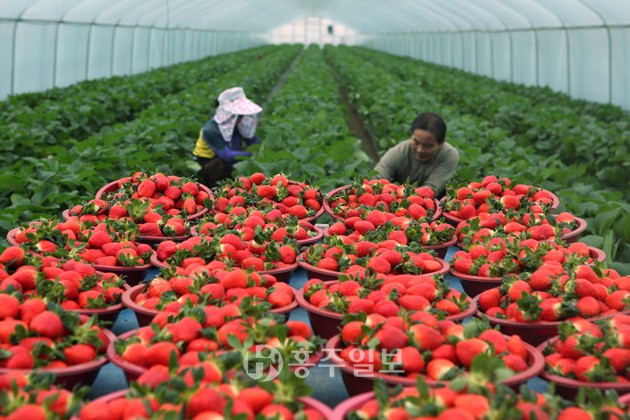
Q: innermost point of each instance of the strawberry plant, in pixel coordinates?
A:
(306, 138)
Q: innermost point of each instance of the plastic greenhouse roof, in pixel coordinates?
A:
(363, 16)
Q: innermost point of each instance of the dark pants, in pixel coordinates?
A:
(213, 170)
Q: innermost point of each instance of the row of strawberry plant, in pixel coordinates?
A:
(388, 103)
(596, 149)
(305, 133)
(162, 135)
(79, 111)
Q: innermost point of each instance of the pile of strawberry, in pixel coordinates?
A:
(491, 195)
(386, 295)
(364, 195)
(174, 195)
(385, 257)
(34, 397)
(419, 344)
(36, 335)
(266, 223)
(591, 351)
(201, 392)
(169, 293)
(538, 226)
(380, 227)
(73, 285)
(469, 400)
(288, 197)
(196, 332)
(110, 243)
(218, 252)
(492, 256)
(555, 293)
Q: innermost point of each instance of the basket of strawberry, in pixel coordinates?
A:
(490, 258)
(174, 195)
(363, 196)
(170, 292)
(266, 257)
(266, 224)
(36, 336)
(210, 390)
(75, 286)
(336, 256)
(481, 398)
(110, 247)
(44, 235)
(288, 197)
(34, 396)
(593, 354)
(533, 305)
(196, 333)
(327, 302)
(538, 226)
(382, 227)
(400, 349)
(467, 201)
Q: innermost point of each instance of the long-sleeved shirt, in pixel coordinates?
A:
(399, 164)
(211, 143)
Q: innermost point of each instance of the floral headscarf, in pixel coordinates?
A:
(233, 103)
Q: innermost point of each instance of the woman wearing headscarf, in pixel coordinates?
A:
(224, 137)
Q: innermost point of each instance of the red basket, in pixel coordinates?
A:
(145, 315)
(359, 384)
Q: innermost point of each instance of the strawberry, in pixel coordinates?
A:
(12, 256)
(9, 306)
(79, 353)
(489, 299)
(146, 188)
(256, 398)
(391, 338)
(327, 263)
(468, 349)
(47, 324)
(287, 254)
(160, 353)
(236, 278)
(438, 369)
(425, 337)
(28, 411)
(135, 353)
(352, 332)
(477, 405)
(410, 360)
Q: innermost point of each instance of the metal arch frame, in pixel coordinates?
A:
(510, 35)
(474, 6)
(475, 22)
(436, 14)
(459, 30)
(609, 37)
(566, 31)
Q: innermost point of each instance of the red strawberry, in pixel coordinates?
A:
(287, 254)
(9, 306)
(426, 337)
(410, 359)
(489, 299)
(146, 188)
(135, 353)
(236, 278)
(12, 256)
(256, 398)
(328, 264)
(47, 324)
(160, 353)
(391, 338)
(438, 369)
(352, 332)
(468, 349)
(28, 411)
(79, 353)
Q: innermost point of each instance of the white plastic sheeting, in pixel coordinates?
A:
(581, 47)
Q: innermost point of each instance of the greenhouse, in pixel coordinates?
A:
(314, 209)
